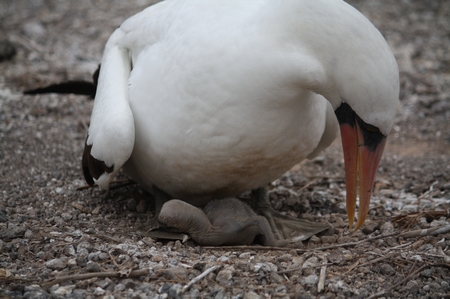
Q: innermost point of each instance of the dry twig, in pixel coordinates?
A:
(323, 271)
(200, 277)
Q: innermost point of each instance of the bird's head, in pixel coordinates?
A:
(349, 62)
(366, 80)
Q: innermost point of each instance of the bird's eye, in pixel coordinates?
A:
(371, 128)
(367, 127)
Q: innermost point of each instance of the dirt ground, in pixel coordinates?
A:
(49, 229)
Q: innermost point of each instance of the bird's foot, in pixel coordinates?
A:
(284, 227)
(152, 228)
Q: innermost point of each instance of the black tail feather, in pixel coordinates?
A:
(73, 87)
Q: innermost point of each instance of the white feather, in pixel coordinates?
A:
(225, 96)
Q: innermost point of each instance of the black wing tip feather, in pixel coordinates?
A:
(93, 168)
(78, 87)
(73, 87)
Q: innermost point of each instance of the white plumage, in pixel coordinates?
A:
(210, 98)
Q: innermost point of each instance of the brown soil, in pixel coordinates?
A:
(50, 229)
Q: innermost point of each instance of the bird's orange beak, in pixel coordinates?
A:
(363, 147)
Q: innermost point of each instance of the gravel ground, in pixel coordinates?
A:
(52, 229)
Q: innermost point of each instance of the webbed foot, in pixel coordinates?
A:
(227, 221)
(284, 227)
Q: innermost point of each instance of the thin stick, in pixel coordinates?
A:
(200, 277)
(135, 273)
(427, 232)
(323, 271)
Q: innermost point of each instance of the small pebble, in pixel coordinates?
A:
(427, 272)
(312, 262)
(119, 287)
(245, 255)
(387, 228)
(315, 240)
(99, 291)
(224, 277)
(412, 286)
(85, 245)
(251, 295)
(370, 227)
(63, 291)
(387, 269)
(93, 267)
(13, 232)
(56, 264)
(311, 279)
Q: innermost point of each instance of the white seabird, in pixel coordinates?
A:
(206, 99)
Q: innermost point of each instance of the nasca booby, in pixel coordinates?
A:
(206, 99)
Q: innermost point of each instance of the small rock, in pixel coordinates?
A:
(119, 287)
(96, 210)
(94, 256)
(93, 267)
(412, 286)
(370, 227)
(427, 273)
(174, 273)
(56, 264)
(175, 291)
(315, 240)
(85, 245)
(311, 279)
(266, 267)
(387, 269)
(387, 228)
(35, 291)
(194, 293)
(81, 260)
(219, 295)
(99, 291)
(224, 277)
(3, 217)
(13, 232)
(34, 29)
(245, 255)
(328, 239)
(435, 286)
(71, 262)
(78, 294)
(281, 289)
(251, 295)
(285, 258)
(276, 278)
(311, 262)
(129, 283)
(339, 223)
(63, 291)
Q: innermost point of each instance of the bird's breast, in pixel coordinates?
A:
(218, 124)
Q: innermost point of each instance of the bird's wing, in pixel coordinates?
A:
(329, 134)
(111, 133)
